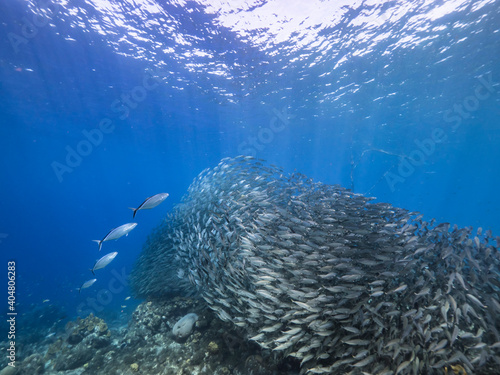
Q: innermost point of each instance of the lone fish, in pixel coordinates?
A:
(87, 284)
(116, 233)
(103, 262)
(150, 202)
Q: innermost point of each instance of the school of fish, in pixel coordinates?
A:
(319, 273)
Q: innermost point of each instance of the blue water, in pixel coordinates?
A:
(104, 103)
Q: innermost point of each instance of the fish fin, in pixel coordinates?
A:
(79, 290)
(92, 270)
(135, 211)
(99, 242)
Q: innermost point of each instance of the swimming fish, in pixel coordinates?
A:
(104, 261)
(150, 202)
(116, 233)
(321, 274)
(87, 284)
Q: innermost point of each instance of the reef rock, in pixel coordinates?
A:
(184, 326)
(85, 336)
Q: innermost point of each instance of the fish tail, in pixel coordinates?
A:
(92, 270)
(135, 211)
(79, 290)
(99, 242)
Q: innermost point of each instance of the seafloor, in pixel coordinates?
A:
(146, 345)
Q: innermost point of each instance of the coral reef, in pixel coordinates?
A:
(87, 338)
(148, 346)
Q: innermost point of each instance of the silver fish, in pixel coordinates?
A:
(86, 284)
(150, 203)
(116, 233)
(322, 274)
(104, 261)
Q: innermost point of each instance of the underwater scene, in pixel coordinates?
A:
(250, 187)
